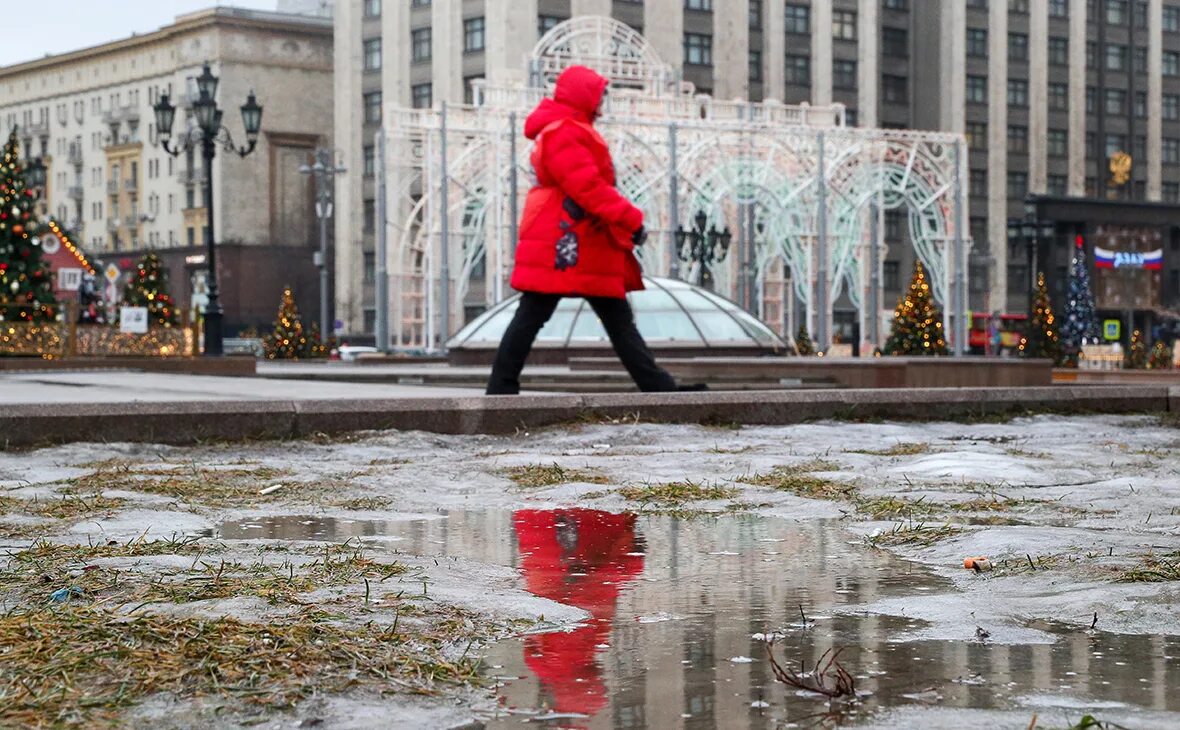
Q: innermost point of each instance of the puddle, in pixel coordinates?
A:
(679, 609)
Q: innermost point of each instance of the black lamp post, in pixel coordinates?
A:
(1030, 231)
(208, 133)
(702, 246)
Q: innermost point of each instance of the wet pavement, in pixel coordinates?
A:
(679, 610)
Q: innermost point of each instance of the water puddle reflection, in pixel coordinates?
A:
(679, 607)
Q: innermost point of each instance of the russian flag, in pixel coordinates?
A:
(1154, 260)
(1103, 258)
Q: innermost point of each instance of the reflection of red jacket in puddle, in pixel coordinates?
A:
(578, 557)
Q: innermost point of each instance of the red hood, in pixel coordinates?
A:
(578, 93)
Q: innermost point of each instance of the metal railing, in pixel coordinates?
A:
(75, 192)
(112, 187)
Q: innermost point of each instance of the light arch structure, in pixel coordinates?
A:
(797, 188)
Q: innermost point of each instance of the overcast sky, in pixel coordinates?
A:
(57, 26)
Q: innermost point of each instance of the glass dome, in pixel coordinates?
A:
(670, 314)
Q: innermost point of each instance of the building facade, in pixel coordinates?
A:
(1047, 92)
(88, 114)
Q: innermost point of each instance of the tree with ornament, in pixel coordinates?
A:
(26, 285)
(1160, 357)
(1080, 324)
(287, 341)
(148, 287)
(917, 323)
(1043, 339)
(803, 344)
(1136, 356)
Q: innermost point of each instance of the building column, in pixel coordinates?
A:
(774, 58)
(668, 17)
(1155, 90)
(952, 80)
(591, 7)
(868, 58)
(512, 34)
(731, 42)
(1038, 96)
(997, 151)
(446, 20)
(348, 124)
(1077, 98)
(395, 54)
(821, 52)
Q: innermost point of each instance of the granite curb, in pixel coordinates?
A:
(188, 422)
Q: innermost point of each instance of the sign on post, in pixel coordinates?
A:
(133, 320)
(1112, 330)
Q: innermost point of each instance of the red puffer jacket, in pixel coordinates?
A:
(575, 232)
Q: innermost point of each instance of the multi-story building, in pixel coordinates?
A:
(1047, 92)
(88, 113)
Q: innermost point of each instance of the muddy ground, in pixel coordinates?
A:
(599, 575)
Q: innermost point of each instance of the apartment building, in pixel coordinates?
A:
(1047, 92)
(88, 114)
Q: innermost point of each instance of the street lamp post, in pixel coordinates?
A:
(208, 133)
(703, 247)
(1030, 231)
(324, 169)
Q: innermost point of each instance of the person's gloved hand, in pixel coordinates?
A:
(639, 236)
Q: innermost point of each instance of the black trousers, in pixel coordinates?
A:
(616, 316)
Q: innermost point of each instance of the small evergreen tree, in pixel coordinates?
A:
(1136, 357)
(917, 323)
(1043, 339)
(287, 340)
(315, 343)
(1160, 357)
(1080, 324)
(148, 287)
(803, 344)
(26, 286)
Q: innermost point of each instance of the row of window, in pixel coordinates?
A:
(421, 41)
(698, 51)
(1115, 12)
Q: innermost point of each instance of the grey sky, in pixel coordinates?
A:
(58, 26)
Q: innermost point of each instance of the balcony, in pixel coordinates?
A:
(131, 185)
(191, 177)
(131, 221)
(75, 154)
(74, 192)
(113, 225)
(112, 187)
(37, 129)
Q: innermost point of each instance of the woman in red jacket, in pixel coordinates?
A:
(577, 236)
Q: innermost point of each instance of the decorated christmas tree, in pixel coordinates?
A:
(316, 347)
(26, 286)
(1136, 355)
(287, 341)
(148, 287)
(803, 344)
(1080, 324)
(1043, 339)
(917, 323)
(1160, 357)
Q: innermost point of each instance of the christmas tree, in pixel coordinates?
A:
(803, 344)
(1160, 357)
(316, 347)
(1080, 324)
(1136, 356)
(287, 341)
(917, 323)
(1042, 339)
(148, 287)
(26, 286)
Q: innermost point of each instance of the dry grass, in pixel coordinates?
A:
(1152, 569)
(898, 449)
(191, 483)
(61, 508)
(535, 476)
(675, 494)
(364, 504)
(912, 533)
(799, 479)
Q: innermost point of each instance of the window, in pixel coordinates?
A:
(1140, 13)
(372, 8)
(1017, 138)
(1140, 59)
(976, 133)
(373, 107)
(1058, 51)
(1171, 150)
(892, 271)
(1116, 101)
(897, 4)
(369, 214)
(1171, 63)
(420, 45)
(370, 267)
(755, 14)
(1091, 54)
(844, 74)
(894, 89)
(977, 42)
(1116, 143)
(373, 54)
(844, 25)
(1091, 100)
(421, 96)
(798, 19)
(1139, 149)
(419, 3)
(546, 23)
(1017, 184)
(1057, 184)
(1116, 12)
(1171, 192)
(469, 88)
(370, 160)
(706, 5)
(1018, 6)
(895, 42)
(1116, 57)
(473, 35)
(977, 89)
(1017, 92)
(1059, 97)
(977, 181)
(755, 65)
(1058, 140)
(1058, 8)
(1017, 46)
(1141, 104)
(798, 70)
(1171, 18)
(1171, 107)
(698, 49)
